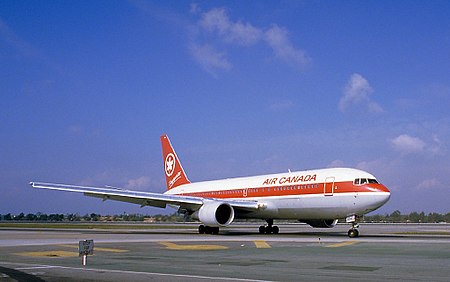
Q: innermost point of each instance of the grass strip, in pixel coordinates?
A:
(95, 226)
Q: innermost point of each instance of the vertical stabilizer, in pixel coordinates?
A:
(175, 175)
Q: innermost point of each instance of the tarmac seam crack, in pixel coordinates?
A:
(19, 275)
(37, 279)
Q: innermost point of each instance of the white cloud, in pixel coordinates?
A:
(407, 144)
(194, 8)
(216, 20)
(209, 58)
(278, 40)
(244, 34)
(216, 26)
(375, 108)
(75, 130)
(429, 184)
(141, 182)
(102, 178)
(437, 148)
(356, 95)
(337, 163)
(7, 35)
(106, 178)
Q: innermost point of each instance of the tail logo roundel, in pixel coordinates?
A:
(170, 164)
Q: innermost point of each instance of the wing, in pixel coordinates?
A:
(145, 198)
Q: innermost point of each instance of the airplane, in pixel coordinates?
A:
(317, 197)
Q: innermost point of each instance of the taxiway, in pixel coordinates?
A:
(412, 252)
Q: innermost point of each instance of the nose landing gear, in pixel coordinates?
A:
(353, 232)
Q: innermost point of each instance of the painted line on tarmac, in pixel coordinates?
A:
(343, 244)
(262, 244)
(35, 267)
(141, 273)
(173, 246)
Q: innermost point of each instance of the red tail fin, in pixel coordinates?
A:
(175, 175)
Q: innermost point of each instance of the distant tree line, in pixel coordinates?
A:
(74, 217)
(394, 217)
(413, 217)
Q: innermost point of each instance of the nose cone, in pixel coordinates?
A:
(383, 188)
(382, 196)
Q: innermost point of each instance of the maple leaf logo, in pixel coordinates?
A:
(170, 164)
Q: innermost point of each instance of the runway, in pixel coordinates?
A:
(413, 252)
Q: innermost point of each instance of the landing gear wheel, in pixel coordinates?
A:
(214, 230)
(353, 233)
(262, 229)
(208, 230)
(275, 229)
(269, 229)
(353, 219)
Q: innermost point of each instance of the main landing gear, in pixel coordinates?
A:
(269, 228)
(353, 232)
(208, 230)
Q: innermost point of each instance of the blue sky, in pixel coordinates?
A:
(242, 88)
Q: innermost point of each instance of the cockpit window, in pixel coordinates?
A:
(360, 181)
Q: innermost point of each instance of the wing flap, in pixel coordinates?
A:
(137, 201)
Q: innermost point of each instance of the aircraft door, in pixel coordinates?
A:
(328, 186)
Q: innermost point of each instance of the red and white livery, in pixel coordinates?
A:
(317, 197)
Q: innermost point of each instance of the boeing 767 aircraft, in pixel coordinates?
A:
(316, 197)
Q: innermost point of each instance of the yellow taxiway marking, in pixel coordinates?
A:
(110, 250)
(262, 245)
(59, 253)
(51, 254)
(173, 246)
(98, 249)
(343, 244)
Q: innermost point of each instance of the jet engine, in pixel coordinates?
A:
(215, 213)
(321, 223)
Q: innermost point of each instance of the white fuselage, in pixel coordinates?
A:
(313, 194)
